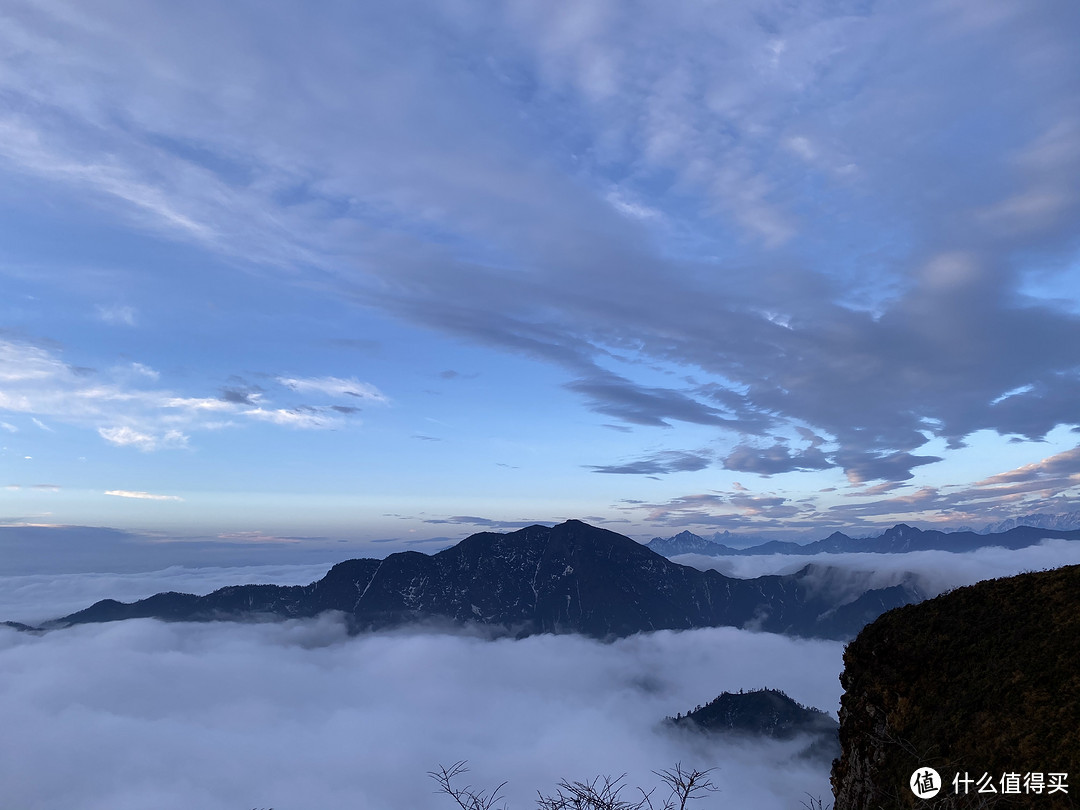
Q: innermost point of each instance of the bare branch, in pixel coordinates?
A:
(466, 797)
(686, 784)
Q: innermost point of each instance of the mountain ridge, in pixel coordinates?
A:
(568, 578)
(898, 539)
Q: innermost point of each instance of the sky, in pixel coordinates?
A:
(282, 275)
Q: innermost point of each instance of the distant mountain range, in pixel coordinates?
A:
(569, 578)
(1064, 522)
(899, 539)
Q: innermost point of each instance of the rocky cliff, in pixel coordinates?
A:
(980, 684)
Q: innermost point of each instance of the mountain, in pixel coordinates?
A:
(1064, 522)
(899, 539)
(982, 680)
(766, 712)
(570, 578)
(685, 543)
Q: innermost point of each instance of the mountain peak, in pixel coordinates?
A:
(568, 578)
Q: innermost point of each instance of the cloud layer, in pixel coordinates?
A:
(127, 413)
(144, 714)
(297, 714)
(817, 216)
(934, 571)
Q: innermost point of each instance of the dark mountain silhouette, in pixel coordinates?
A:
(570, 578)
(899, 539)
(765, 713)
(982, 680)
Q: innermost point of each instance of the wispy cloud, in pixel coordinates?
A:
(126, 414)
(117, 314)
(301, 417)
(334, 387)
(661, 463)
(740, 142)
(124, 436)
(142, 496)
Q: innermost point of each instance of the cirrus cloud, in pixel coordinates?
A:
(142, 496)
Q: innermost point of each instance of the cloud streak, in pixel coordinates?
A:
(124, 413)
(142, 496)
(335, 387)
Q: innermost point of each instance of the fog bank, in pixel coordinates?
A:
(936, 571)
(34, 598)
(291, 715)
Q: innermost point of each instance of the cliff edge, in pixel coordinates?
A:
(982, 683)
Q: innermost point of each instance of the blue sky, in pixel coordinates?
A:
(403, 271)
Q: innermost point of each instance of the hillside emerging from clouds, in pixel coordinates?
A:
(980, 680)
(569, 578)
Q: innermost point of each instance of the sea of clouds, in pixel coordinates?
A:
(934, 571)
(292, 715)
(298, 715)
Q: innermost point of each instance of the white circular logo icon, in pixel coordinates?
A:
(925, 783)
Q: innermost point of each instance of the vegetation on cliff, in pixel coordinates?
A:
(982, 680)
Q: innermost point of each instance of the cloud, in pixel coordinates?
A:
(1062, 465)
(174, 699)
(661, 463)
(735, 510)
(144, 496)
(30, 548)
(126, 414)
(613, 395)
(444, 196)
(334, 387)
(303, 417)
(864, 467)
(258, 537)
(935, 571)
(775, 459)
(487, 523)
(37, 597)
(1051, 485)
(116, 315)
(145, 371)
(239, 396)
(125, 436)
